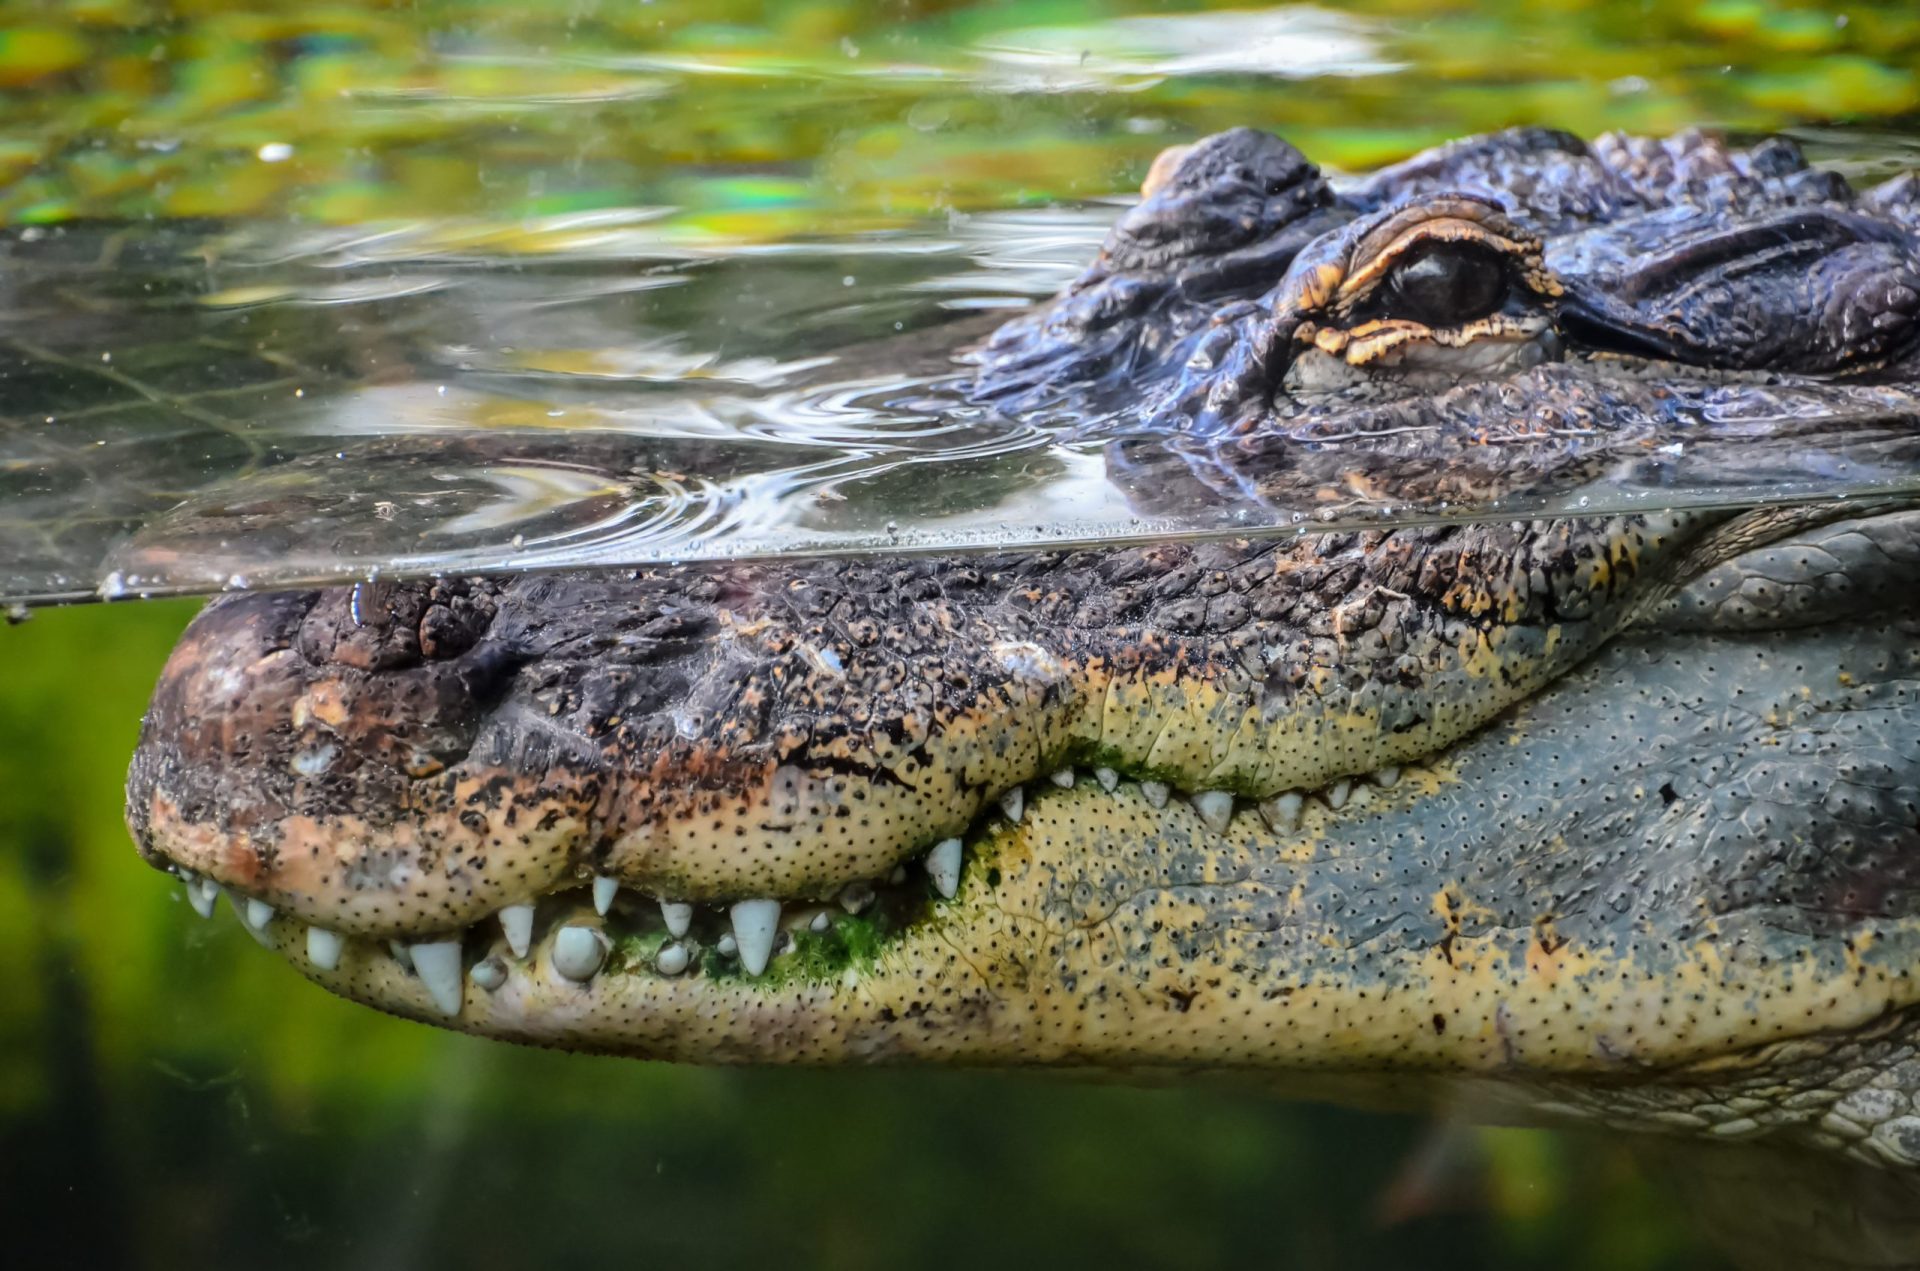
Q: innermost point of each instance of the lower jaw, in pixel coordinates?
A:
(599, 931)
(1010, 972)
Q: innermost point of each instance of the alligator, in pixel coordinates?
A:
(1609, 818)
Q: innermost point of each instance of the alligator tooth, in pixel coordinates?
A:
(604, 890)
(1109, 779)
(754, 925)
(1337, 793)
(259, 913)
(821, 921)
(438, 964)
(1386, 776)
(203, 894)
(1063, 778)
(489, 973)
(726, 945)
(679, 917)
(400, 954)
(1282, 812)
(1013, 803)
(517, 922)
(856, 896)
(898, 875)
(943, 866)
(1215, 808)
(1155, 792)
(578, 953)
(672, 959)
(323, 948)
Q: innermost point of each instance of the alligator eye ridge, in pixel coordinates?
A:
(1446, 285)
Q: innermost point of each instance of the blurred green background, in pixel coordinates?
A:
(170, 1096)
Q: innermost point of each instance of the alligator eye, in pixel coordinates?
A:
(1447, 285)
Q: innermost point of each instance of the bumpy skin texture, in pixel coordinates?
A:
(1641, 839)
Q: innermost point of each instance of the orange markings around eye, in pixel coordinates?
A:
(1372, 341)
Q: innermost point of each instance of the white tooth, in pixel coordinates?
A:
(1155, 792)
(579, 953)
(672, 959)
(1337, 793)
(1282, 812)
(438, 964)
(517, 922)
(1109, 779)
(203, 894)
(1386, 776)
(821, 921)
(259, 913)
(1063, 778)
(1013, 803)
(604, 890)
(1215, 808)
(943, 866)
(726, 945)
(898, 875)
(856, 896)
(242, 909)
(400, 954)
(679, 917)
(754, 924)
(323, 948)
(489, 973)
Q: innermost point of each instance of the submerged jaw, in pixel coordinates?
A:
(575, 935)
(930, 963)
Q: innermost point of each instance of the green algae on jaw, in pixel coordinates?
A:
(761, 121)
(851, 942)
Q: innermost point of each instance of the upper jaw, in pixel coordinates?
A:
(756, 752)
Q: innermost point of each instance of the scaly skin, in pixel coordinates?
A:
(1613, 817)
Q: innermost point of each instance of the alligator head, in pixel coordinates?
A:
(1613, 816)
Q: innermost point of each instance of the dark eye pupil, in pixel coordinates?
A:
(1447, 287)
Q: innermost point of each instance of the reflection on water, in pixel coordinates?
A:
(192, 408)
(188, 409)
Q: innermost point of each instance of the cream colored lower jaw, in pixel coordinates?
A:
(757, 929)
(990, 978)
(1314, 1041)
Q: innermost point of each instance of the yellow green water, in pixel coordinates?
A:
(170, 1096)
(800, 117)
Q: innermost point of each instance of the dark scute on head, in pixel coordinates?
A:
(1230, 189)
(1553, 182)
(1812, 289)
(1545, 177)
(1224, 225)
(1898, 200)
